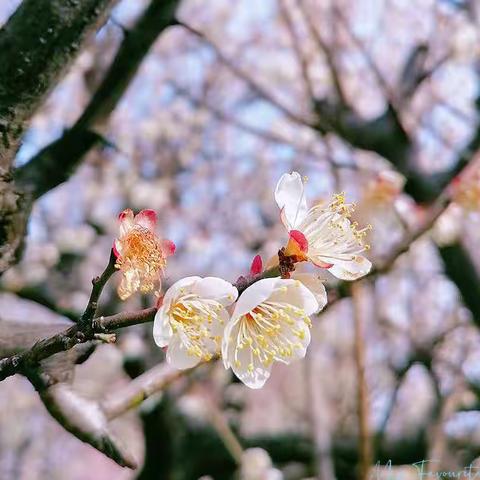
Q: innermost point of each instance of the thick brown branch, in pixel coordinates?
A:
(68, 338)
(36, 47)
(55, 163)
(62, 341)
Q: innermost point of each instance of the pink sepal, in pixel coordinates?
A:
(257, 265)
(115, 249)
(300, 239)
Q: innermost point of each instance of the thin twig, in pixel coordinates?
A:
(224, 431)
(98, 284)
(368, 58)
(124, 319)
(329, 57)
(365, 447)
(139, 389)
(266, 135)
(252, 83)
(438, 207)
(302, 61)
(85, 329)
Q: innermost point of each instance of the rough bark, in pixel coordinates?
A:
(37, 45)
(56, 162)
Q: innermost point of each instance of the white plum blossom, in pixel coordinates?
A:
(192, 318)
(323, 234)
(270, 323)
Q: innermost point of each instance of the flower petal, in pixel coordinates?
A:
(295, 294)
(315, 285)
(126, 221)
(253, 378)
(215, 289)
(351, 270)
(146, 219)
(178, 356)
(304, 341)
(129, 284)
(253, 295)
(290, 198)
(117, 248)
(162, 331)
(181, 287)
(217, 327)
(228, 341)
(168, 247)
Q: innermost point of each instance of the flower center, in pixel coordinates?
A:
(142, 261)
(271, 331)
(195, 319)
(330, 232)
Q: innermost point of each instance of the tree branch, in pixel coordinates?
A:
(84, 419)
(55, 163)
(67, 339)
(462, 272)
(139, 389)
(252, 83)
(81, 332)
(329, 56)
(37, 45)
(297, 48)
(363, 408)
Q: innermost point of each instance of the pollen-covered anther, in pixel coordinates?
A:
(333, 241)
(268, 331)
(188, 315)
(142, 261)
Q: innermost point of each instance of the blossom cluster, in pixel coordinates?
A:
(269, 321)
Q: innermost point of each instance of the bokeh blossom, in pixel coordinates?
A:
(465, 190)
(141, 254)
(323, 234)
(270, 323)
(256, 464)
(382, 205)
(383, 189)
(192, 319)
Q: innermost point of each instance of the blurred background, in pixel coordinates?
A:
(376, 98)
